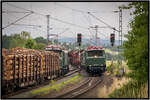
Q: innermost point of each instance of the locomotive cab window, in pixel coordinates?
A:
(95, 53)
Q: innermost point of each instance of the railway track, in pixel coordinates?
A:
(90, 83)
(40, 85)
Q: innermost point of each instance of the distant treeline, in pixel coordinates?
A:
(23, 40)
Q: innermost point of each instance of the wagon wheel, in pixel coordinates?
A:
(10, 90)
(63, 72)
(41, 80)
(58, 73)
(17, 87)
(87, 69)
(92, 74)
(99, 73)
(67, 69)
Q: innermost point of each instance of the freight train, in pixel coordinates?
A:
(74, 57)
(23, 67)
(93, 59)
(64, 59)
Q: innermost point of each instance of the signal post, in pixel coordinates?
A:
(79, 40)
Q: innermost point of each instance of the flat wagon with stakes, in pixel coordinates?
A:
(25, 67)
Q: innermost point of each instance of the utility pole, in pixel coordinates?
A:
(120, 26)
(96, 29)
(48, 16)
(120, 32)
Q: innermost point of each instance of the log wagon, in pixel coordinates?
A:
(25, 67)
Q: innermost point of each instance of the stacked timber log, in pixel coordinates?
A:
(24, 65)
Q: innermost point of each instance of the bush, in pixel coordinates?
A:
(39, 46)
(136, 54)
(133, 89)
(30, 43)
(136, 46)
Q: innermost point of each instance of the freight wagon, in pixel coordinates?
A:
(25, 67)
(64, 59)
(93, 59)
(74, 57)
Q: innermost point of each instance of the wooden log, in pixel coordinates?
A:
(24, 66)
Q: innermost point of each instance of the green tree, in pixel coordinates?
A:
(25, 35)
(13, 43)
(16, 41)
(6, 41)
(30, 43)
(136, 47)
(41, 40)
(39, 46)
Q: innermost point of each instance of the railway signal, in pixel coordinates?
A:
(79, 38)
(112, 39)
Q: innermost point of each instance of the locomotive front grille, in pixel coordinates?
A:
(95, 62)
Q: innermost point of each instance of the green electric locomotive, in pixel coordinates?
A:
(64, 59)
(93, 59)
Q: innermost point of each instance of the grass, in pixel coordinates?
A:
(57, 87)
(124, 88)
(114, 68)
(108, 89)
(111, 52)
(131, 90)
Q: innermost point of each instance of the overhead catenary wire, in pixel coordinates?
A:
(90, 32)
(88, 21)
(26, 9)
(27, 25)
(18, 7)
(91, 41)
(16, 21)
(86, 18)
(13, 12)
(91, 25)
(59, 19)
(75, 25)
(30, 12)
(102, 21)
(79, 26)
(63, 31)
(39, 29)
(70, 8)
(80, 11)
(103, 34)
